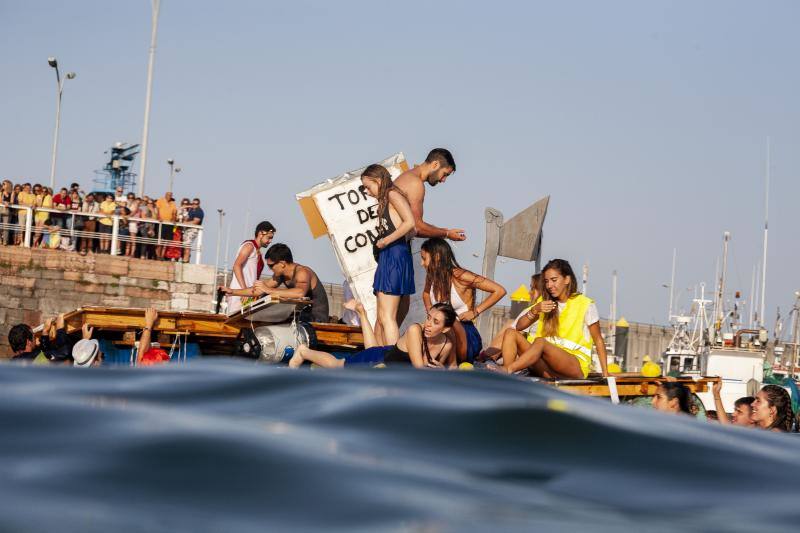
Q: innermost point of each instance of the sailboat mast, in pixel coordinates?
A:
(720, 306)
(672, 284)
(766, 231)
(752, 302)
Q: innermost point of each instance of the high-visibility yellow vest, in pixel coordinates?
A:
(570, 336)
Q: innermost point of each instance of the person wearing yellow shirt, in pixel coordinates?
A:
(167, 213)
(44, 198)
(567, 326)
(28, 199)
(106, 223)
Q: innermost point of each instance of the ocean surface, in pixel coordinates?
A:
(226, 445)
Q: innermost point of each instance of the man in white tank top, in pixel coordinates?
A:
(248, 264)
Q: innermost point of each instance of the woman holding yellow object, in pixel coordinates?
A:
(567, 325)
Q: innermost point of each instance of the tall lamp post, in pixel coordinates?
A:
(172, 171)
(156, 5)
(60, 84)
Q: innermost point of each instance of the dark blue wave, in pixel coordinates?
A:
(223, 445)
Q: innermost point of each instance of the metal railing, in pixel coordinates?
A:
(72, 225)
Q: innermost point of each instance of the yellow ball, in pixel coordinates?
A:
(466, 366)
(614, 368)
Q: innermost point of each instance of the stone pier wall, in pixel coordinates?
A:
(35, 284)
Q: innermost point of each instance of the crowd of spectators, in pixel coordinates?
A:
(84, 222)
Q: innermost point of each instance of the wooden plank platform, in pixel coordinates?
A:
(208, 326)
(627, 385)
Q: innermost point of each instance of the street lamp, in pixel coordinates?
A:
(172, 171)
(60, 84)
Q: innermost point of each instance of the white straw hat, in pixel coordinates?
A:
(85, 352)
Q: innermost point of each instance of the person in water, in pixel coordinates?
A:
(446, 281)
(422, 345)
(289, 280)
(394, 277)
(567, 325)
(772, 409)
(248, 265)
(672, 397)
(742, 410)
(519, 328)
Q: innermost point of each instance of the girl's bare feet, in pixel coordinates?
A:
(354, 305)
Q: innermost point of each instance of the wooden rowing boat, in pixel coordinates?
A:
(217, 333)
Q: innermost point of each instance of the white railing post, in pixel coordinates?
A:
(28, 227)
(199, 245)
(115, 235)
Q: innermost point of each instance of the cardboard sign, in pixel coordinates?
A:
(343, 209)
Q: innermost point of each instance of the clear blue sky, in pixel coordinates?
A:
(645, 121)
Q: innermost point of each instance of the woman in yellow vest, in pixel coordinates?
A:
(567, 325)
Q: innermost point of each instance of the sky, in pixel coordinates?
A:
(645, 122)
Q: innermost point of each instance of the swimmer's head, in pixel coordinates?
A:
(441, 164)
(743, 411)
(440, 319)
(672, 397)
(772, 409)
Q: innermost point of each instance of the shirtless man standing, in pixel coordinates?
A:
(438, 166)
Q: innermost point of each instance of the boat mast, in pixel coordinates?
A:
(752, 299)
(719, 305)
(764, 258)
(672, 284)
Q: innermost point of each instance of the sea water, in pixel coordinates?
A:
(229, 445)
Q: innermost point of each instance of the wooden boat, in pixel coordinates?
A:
(217, 334)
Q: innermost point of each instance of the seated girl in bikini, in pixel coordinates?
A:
(567, 325)
(446, 281)
(422, 345)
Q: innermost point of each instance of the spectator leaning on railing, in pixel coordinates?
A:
(70, 222)
(195, 216)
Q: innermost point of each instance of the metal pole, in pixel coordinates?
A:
(795, 323)
(55, 133)
(672, 284)
(752, 298)
(726, 237)
(199, 245)
(115, 235)
(148, 97)
(766, 230)
(171, 164)
(216, 260)
(585, 280)
(614, 312)
(227, 254)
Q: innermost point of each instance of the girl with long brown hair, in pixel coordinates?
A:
(772, 409)
(568, 324)
(447, 281)
(394, 277)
